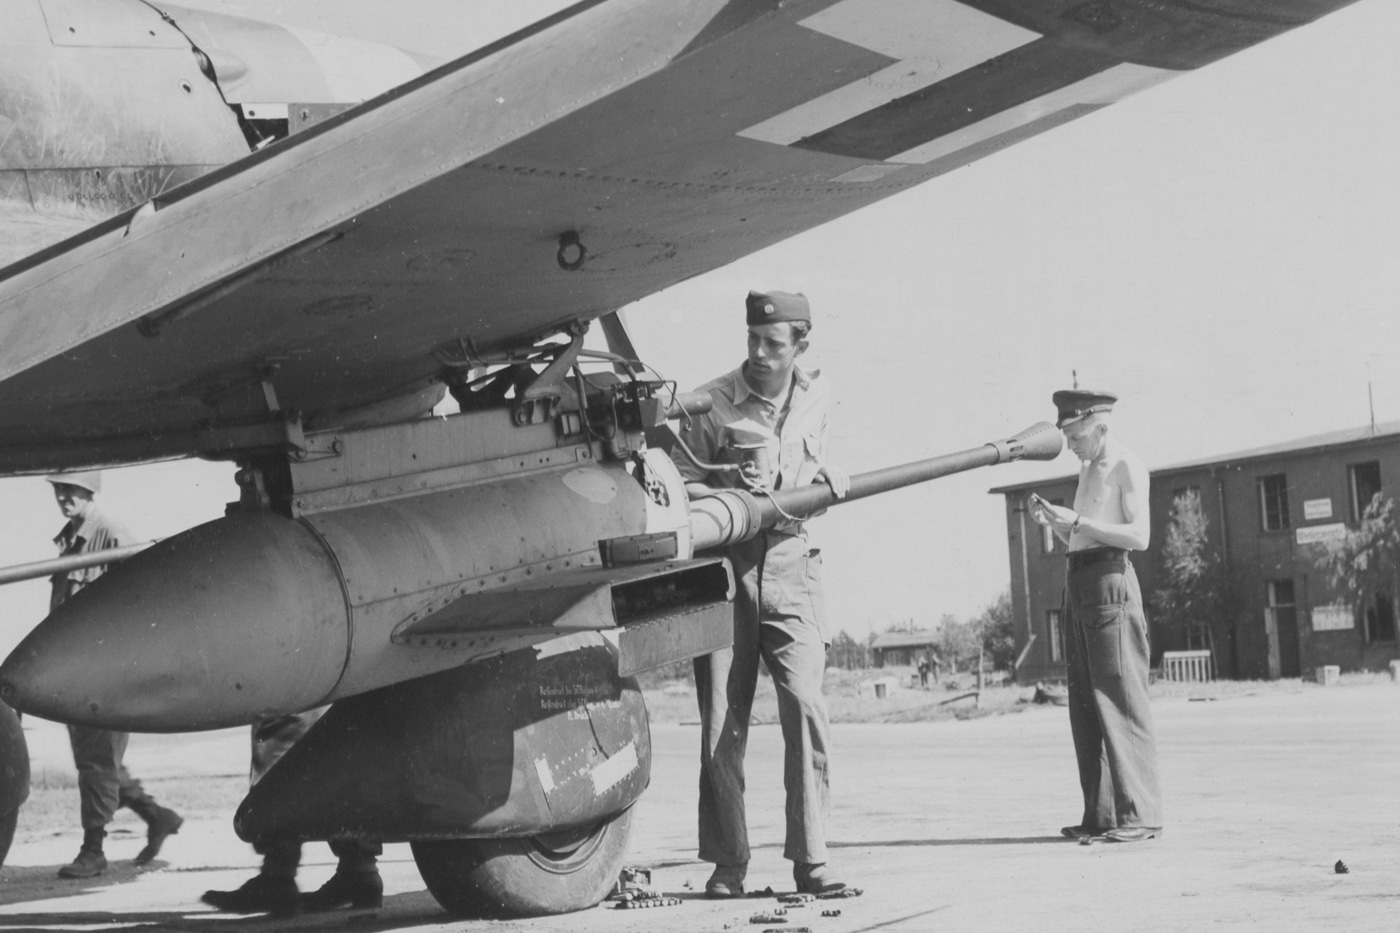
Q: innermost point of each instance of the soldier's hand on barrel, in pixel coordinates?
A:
(752, 474)
(836, 478)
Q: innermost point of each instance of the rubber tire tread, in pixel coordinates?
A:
(498, 878)
(7, 832)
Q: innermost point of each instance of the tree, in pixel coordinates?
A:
(847, 653)
(1195, 590)
(1364, 563)
(958, 642)
(995, 632)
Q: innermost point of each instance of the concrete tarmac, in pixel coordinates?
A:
(945, 826)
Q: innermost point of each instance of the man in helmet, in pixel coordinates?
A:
(103, 783)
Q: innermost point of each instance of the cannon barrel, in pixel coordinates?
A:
(733, 515)
(689, 403)
(47, 568)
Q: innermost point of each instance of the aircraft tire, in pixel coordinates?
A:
(14, 776)
(525, 876)
(7, 832)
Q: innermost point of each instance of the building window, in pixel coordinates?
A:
(1380, 619)
(1056, 634)
(1048, 541)
(1198, 637)
(1365, 482)
(1273, 502)
(1281, 594)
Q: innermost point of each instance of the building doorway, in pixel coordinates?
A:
(1380, 619)
(1281, 623)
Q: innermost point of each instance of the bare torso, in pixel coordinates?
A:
(1112, 493)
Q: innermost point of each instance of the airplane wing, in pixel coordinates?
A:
(605, 153)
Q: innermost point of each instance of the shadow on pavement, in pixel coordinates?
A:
(976, 841)
(398, 910)
(20, 883)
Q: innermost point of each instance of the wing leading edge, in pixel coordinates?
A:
(612, 151)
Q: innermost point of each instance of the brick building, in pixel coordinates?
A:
(1267, 508)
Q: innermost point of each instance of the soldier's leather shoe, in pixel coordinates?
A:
(726, 881)
(89, 864)
(1132, 833)
(1079, 832)
(161, 823)
(359, 891)
(818, 878)
(261, 894)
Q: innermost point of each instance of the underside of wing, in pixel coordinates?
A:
(609, 152)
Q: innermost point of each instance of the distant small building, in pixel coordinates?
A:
(902, 649)
(1268, 510)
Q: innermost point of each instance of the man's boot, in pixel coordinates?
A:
(357, 890)
(90, 861)
(261, 894)
(356, 883)
(161, 823)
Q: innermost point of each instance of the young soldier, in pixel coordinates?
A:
(778, 607)
(103, 782)
(1106, 643)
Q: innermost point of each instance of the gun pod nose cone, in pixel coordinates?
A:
(210, 628)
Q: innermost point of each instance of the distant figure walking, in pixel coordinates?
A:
(103, 782)
(1106, 644)
(923, 672)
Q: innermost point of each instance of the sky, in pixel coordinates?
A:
(1220, 251)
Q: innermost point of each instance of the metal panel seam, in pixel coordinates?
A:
(349, 609)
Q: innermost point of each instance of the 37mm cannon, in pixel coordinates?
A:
(732, 515)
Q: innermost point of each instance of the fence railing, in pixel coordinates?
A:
(1187, 665)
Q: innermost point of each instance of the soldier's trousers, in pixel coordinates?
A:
(776, 609)
(281, 857)
(103, 782)
(1110, 716)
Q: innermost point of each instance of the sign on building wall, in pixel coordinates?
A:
(1313, 509)
(1333, 618)
(1316, 534)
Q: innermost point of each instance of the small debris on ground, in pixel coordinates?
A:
(831, 913)
(631, 878)
(1341, 867)
(796, 899)
(844, 892)
(638, 903)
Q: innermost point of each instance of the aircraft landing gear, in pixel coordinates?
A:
(527, 876)
(14, 776)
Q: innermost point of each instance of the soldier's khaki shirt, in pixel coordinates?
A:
(96, 533)
(799, 424)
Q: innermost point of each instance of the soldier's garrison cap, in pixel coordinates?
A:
(777, 307)
(91, 480)
(1075, 404)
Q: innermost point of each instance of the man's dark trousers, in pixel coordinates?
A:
(103, 784)
(1110, 714)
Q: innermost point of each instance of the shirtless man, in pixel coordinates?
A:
(1106, 645)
